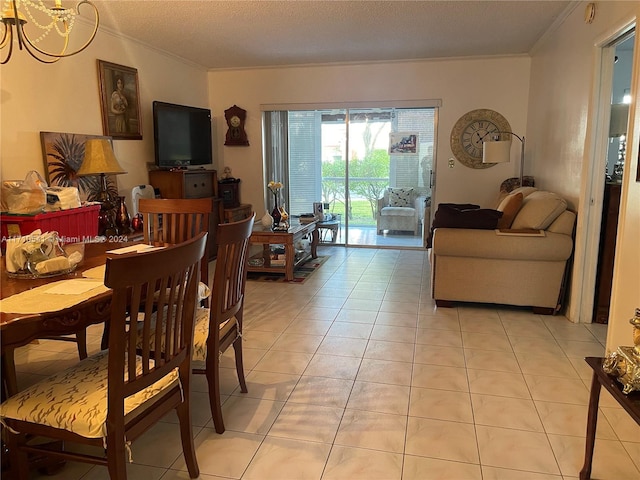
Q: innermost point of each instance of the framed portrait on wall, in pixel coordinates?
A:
(120, 101)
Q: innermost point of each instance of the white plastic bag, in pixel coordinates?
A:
(26, 196)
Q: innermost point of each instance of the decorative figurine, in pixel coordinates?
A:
(624, 363)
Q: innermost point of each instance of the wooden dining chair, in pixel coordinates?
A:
(220, 325)
(174, 220)
(111, 398)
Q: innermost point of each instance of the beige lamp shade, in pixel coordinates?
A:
(99, 158)
(496, 151)
(619, 117)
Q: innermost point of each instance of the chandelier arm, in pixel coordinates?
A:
(62, 53)
(10, 43)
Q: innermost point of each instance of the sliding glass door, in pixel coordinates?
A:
(348, 160)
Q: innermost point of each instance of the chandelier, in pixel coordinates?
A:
(42, 20)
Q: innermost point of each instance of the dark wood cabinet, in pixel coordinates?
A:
(606, 254)
(238, 213)
(192, 184)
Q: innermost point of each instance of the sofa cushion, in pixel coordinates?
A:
(452, 216)
(397, 212)
(539, 210)
(509, 208)
(400, 197)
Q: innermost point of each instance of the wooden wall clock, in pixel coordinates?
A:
(468, 131)
(236, 136)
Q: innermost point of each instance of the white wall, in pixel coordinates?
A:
(500, 84)
(64, 97)
(562, 117)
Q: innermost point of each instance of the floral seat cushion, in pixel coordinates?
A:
(75, 399)
(201, 333)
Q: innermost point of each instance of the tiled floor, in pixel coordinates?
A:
(356, 375)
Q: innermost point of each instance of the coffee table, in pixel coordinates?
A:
(288, 238)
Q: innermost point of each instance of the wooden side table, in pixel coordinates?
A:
(238, 213)
(630, 402)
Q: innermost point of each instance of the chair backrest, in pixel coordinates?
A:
(230, 277)
(174, 220)
(173, 272)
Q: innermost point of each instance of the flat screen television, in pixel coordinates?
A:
(182, 135)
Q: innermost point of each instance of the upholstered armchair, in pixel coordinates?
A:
(400, 209)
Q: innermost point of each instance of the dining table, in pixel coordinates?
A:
(32, 319)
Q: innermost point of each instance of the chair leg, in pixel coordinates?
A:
(237, 347)
(213, 380)
(116, 457)
(81, 339)
(186, 436)
(19, 461)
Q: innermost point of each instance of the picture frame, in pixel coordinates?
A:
(403, 143)
(63, 154)
(120, 101)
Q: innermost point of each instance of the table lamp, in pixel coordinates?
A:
(99, 159)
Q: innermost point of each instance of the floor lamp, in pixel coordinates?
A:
(499, 151)
(99, 159)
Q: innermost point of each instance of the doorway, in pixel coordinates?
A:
(614, 172)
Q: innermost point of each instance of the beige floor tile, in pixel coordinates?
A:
(315, 423)
(362, 464)
(350, 330)
(333, 366)
(440, 405)
(493, 473)
(347, 347)
(634, 452)
(373, 430)
(421, 468)
(282, 458)
(331, 392)
(623, 425)
(399, 307)
(394, 351)
(440, 377)
(226, 455)
(269, 385)
(549, 365)
(284, 362)
(566, 419)
(250, 357)
(572, 348)
(441, 338)
(486, 341)
(502, 384)
(385, 371)
(437, 320)
(356, 316)
(363, 304)
(379, 397)
(436, 355)
(180, 475)
(518, 413)
(396, 319)
(610, 460)
(309, 327)
(481, 323)
(297, 342)
(258, 339)
(536, 345)
(322, 314)
(441, 439)
(529, 451)
(249, 415)
(490, 360)
(394, 334)
(556, 389)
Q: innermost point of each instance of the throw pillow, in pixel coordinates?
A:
(400, 197)
(509, 208)
(448, 216)
(539, 210)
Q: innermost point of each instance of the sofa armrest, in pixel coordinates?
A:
(463, 242)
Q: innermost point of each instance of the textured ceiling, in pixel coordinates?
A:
(237, 34)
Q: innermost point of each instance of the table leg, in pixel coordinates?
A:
(315, 239)
(592, 420)
(290, 259)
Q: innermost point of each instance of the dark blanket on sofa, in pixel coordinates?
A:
(463, 215)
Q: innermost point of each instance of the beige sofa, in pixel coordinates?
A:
(507, 267)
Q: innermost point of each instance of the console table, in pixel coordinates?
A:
(288, 238)
(630, 402)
